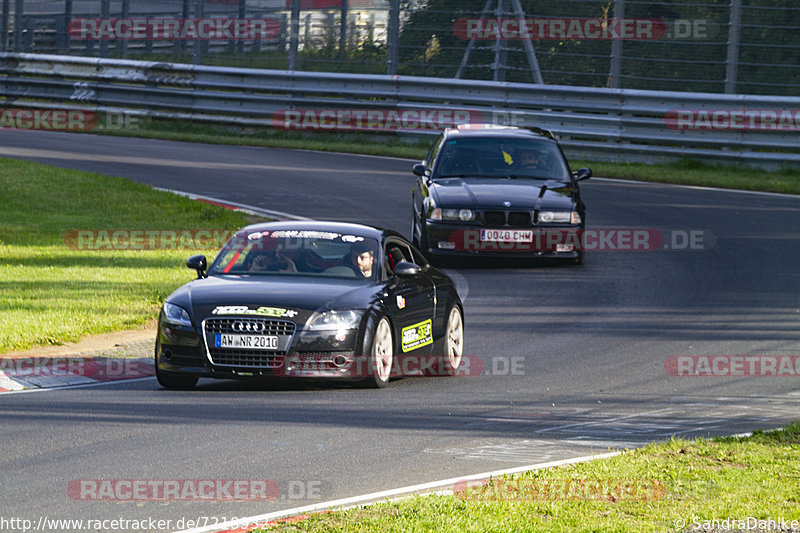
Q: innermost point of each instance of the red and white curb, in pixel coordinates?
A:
(442, 487)
(244, 208)
(31, 373)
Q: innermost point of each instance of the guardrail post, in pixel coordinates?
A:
(64, 41)
(181, 43)
(242, 14)
(30, 30)
(198, 44)
(19, 14)
(343, 28)
(393, 38)
(105, 12)
(616, 49)
(126, 12)
(734, 30)
(294, 34)
(4, 25)
(283, 40)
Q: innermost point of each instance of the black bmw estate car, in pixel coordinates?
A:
(311, 300)
(497, 190)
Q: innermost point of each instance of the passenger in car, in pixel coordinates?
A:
(271, 262)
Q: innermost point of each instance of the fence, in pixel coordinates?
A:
(731, 46)
(593, 123)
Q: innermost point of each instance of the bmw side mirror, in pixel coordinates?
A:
(198, 262)
(420, 170)
(404, 269)
(583, 174)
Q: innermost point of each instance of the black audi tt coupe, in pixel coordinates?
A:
(311, 300)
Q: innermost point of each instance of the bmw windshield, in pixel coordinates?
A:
(501, 158)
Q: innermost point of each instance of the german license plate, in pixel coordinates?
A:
(507, 235)
(246, 342)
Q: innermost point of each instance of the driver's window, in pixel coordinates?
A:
(395, 252)
(418, 258)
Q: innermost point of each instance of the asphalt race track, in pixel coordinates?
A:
(590, 344)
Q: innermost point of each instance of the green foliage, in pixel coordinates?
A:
(768, 59)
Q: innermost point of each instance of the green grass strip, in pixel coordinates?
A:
(672, 486)
(51, 293)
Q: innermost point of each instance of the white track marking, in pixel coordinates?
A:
(182, 163)
(696, 187)
(440, 487)
(249, 209)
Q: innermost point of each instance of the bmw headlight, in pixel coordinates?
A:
(463, 215)
(334, 320)
(176, 315)
(559, 217)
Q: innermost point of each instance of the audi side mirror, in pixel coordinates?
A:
(198, 263)
(404, 269)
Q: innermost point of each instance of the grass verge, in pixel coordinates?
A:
(51, 293)
(679, 485)
(686, 172)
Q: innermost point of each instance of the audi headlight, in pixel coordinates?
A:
(334, 320)
(176, 315)
(463, 215)
(559, 217)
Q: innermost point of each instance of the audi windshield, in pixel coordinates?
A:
(296, 252)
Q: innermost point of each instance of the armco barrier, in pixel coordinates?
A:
(607, 124)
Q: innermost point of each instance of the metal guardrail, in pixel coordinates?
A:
(591, 123)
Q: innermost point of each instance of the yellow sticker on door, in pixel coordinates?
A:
(417, 335)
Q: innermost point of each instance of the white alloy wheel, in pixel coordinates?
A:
(383, 352)
(454, 341)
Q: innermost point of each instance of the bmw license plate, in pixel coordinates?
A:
(507, 235)
(246, 342)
